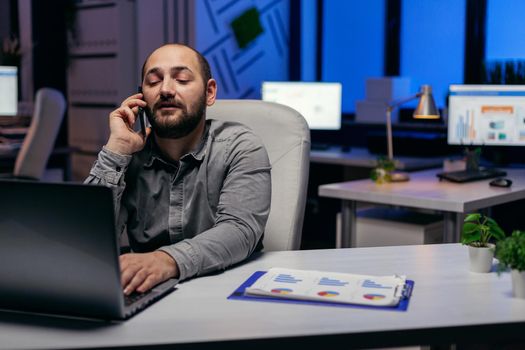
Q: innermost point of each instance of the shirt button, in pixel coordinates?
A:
(118, 169)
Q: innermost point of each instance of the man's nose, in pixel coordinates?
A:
(167, 88)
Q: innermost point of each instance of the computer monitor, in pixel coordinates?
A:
(319, 103)
(8, 90)
(489, 115)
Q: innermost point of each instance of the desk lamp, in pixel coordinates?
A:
(426, 109)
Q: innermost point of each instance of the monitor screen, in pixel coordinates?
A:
(486, 115)
(8, 90)
(319, 103)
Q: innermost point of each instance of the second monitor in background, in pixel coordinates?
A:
(8, 90)
(319, 103)
(481, 116)
(486, 115)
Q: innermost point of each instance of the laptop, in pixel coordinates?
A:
(59, 252)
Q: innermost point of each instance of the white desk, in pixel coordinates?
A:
(449, 305)
(423, 191)
(361, 157)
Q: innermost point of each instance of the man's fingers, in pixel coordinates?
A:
(128, 269)
(122, 138)
(136, 281)
(151, 281)
(134, 100)
(127, 115)
(130, 116)
(126, 276)
(141, 272)
(129, 109)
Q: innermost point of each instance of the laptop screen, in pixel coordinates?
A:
(59, 251)
(8, 90)
(319, 103)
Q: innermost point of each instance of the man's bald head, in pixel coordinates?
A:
(204, 66)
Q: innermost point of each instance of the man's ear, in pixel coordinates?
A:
(211, 92)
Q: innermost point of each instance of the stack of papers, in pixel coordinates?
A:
(330, 287)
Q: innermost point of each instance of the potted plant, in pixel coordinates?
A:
(478, 232)
(382, 173)
(511, 255)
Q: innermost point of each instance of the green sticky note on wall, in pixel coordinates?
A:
(247, 27)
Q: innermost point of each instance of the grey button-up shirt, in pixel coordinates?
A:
(207, 211)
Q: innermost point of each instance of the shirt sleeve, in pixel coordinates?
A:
(243, 209)
(108, 170)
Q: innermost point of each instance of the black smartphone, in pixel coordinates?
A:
(142, 117)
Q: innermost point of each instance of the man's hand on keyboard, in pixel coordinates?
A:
(141, 272)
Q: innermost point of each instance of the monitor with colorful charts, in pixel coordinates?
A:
(486, 115)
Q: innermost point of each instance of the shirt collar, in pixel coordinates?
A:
(153, 153)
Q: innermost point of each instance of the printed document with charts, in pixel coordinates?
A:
(330, 286)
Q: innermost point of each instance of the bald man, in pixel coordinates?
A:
(192, 195)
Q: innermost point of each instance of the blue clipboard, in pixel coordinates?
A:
(238, 294)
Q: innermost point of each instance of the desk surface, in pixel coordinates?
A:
(361, 157)
(449, 304)
(424, 190)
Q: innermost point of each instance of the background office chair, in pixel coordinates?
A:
(37, 146)
(286, 137)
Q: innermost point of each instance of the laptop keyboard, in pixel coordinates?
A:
(471, 175)
(134, 297)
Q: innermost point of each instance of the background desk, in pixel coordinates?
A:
(423, 191)
(60, 158)
(334, 165)
(361, 157)
(449, 305)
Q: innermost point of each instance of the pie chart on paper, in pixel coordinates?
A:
(328, 293)
(282, 290)
(374, 296)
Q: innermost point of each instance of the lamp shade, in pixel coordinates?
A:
(426, 107)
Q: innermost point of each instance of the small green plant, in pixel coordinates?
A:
(382, 173)
(10, 54)
(479, 229)
(511, 252)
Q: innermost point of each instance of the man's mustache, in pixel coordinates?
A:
(168, 102)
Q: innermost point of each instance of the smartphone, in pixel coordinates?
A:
(142, 117)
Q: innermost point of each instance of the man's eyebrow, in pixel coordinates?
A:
(173, 70)
(180, 69)
(152, 71)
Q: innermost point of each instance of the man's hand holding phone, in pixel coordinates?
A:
(123, 139)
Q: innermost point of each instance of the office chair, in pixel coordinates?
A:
(286, 137)
(31, 161)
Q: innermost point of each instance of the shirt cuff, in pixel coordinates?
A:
(185, 256)
(110, 165)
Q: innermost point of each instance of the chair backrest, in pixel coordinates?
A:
(286, 137)
(31, 161)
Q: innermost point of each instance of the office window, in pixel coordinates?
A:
(308, 40)
(353, 45)
(432, 44)
(505, 30)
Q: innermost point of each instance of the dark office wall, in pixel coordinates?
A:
(50, 49)
(8, 18)
(5, 22)
(50, 44)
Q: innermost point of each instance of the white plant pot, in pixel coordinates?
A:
(481, 258)
(518, 283)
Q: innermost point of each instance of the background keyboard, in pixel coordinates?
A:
(471, 175)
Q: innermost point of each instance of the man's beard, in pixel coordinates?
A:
(166, 127)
